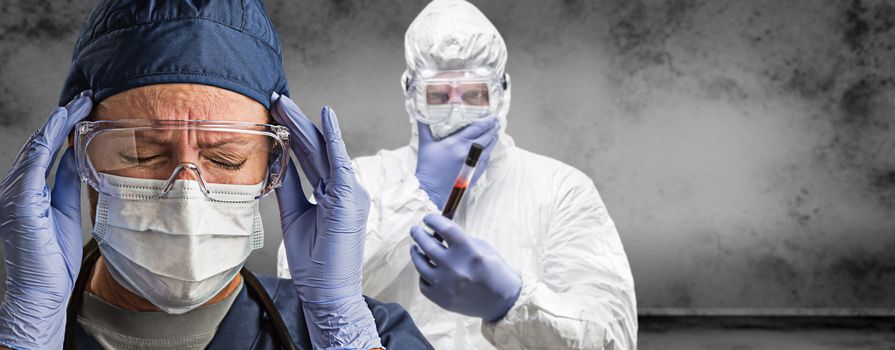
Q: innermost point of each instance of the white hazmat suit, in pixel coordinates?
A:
(545, 218)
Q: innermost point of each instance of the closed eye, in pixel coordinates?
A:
(226, 164)
(142, 159)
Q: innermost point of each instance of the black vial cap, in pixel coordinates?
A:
(475, 151)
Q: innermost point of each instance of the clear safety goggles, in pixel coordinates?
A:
(451, 93)
(208, 152)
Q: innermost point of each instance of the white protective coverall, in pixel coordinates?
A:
(545, 218)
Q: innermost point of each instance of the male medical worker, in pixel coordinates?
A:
(532, 259)
(172, 111)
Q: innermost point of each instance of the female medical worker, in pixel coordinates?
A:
(177, 154)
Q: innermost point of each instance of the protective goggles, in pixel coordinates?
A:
(465, 93)
(209, 152)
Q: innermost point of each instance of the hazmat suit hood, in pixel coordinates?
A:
(455, 35)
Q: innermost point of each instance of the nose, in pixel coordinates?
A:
(186, 171)
(455, 96)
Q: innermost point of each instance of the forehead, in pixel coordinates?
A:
(180, 102)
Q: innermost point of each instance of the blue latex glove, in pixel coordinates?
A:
(439, 161)
(468, 276)
(41, 234)
(325, 242)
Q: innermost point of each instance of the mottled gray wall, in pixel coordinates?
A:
(745, 148)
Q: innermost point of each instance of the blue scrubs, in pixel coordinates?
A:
(246, 326)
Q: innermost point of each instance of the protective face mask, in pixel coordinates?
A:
(457, 118)
(180, 250)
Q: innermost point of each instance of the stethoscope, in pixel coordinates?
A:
(91, 255)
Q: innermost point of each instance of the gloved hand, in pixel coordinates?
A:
(325, 242)
(41, 234)
(468, 276)
(439, 161)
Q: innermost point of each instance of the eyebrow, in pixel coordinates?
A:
(233, 140)
(165, 139)
(151, 139)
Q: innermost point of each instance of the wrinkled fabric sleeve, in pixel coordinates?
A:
(584, 297)
(397, 203)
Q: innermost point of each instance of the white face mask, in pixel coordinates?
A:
(180, 250)
(457, 118)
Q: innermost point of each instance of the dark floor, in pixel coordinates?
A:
(766, 333)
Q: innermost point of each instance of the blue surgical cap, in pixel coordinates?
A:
(230, 44)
